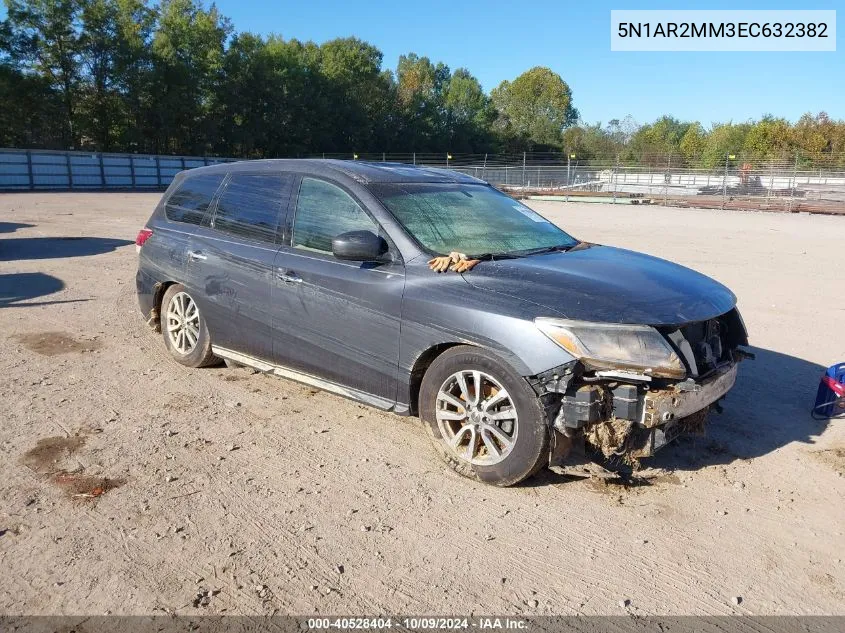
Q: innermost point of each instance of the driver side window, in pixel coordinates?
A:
(324, 211)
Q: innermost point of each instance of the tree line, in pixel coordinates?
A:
(176, 78)
(126, 75)
(814, 141)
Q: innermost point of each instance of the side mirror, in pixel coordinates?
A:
(359, 246)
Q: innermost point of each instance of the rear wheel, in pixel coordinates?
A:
(183, 328)
(483, 418)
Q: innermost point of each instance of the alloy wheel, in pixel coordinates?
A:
(476, 417)
(183, 323)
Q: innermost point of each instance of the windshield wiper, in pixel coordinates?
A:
(489, 257)
(559, 248)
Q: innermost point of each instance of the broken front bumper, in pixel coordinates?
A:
(635, 420)
(687, 398)
(668, 414)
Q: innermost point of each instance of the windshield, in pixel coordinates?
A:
(471, 219)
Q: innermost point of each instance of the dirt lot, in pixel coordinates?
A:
(223, 491)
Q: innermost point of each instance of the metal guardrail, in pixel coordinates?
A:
(41, 170)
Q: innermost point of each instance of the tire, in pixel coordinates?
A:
(197, 355)
(526, 450)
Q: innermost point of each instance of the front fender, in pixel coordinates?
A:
(442, 309)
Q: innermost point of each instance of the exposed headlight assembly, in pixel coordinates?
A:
(615, 346)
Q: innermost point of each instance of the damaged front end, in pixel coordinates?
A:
(632, 389)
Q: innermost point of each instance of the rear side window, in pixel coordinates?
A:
(251, 205)
(324, 211)
(191, 200)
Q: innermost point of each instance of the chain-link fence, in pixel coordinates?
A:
(768, 186)
(795, 184)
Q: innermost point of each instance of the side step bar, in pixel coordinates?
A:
(278, 370)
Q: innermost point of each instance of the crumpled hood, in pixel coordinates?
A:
(607, 284)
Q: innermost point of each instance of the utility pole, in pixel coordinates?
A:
(615, 176)
(794, 183)
(725, 181)
(568, 158)
(667, 180)
(523, 169)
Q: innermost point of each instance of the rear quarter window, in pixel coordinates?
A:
(190, 202)
(251, 205)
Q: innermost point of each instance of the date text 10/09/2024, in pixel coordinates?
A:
(418, 623)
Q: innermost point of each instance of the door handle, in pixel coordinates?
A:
(196, 255)
(288, 276)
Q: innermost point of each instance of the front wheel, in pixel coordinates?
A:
(483, 418)
(185, 333)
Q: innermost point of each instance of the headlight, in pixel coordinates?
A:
(615, 346)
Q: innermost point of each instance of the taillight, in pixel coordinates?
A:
(143, 235)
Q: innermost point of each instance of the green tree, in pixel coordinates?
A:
(31, 112)
(723, 139)
(274, 101)
(769, 139)
(534, 109)
(128, 75)
(692, 144)
(245, 102)
(621, 132)
(360, 92)
(600, 144)
(43, 38)
(135, 23)
(188, 50)
(820, 140)
(468, 113)
(420, 98)
(114, 53)
(812, 134)
(593, 142)
(655, 143)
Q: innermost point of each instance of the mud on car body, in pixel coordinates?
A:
(324, 272)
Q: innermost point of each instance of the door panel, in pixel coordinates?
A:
(186, 208)
(230, 261)
(335, 319)
(234, 277)
(338, 320)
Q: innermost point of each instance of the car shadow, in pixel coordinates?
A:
(16, 288)
(11, 227)
(57, 247)
(768, 408)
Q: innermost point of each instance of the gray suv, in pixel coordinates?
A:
(326, 272)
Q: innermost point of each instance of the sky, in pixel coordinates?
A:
(497, 40)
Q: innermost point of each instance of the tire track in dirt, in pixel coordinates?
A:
(641, 566)
(266, 532)
(564, 545)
